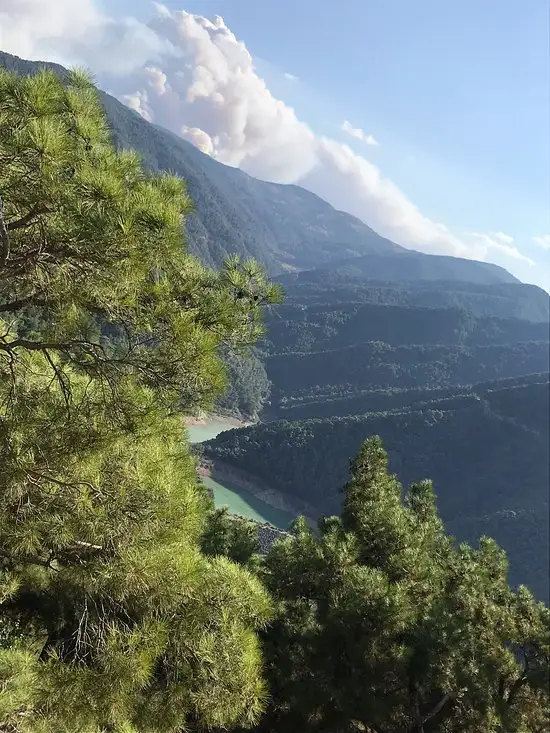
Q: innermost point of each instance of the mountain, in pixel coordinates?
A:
(337, 285)
(486, 449)
(407, 264)
(335, 355)
(283, 226)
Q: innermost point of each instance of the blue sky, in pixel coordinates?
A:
(456, 92)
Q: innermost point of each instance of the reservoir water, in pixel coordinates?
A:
(236, 499)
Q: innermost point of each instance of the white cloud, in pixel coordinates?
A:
(77, 32)
(497, 242)
(543, 241)
(290, 77)
(358, 133)
(193, 76)
(31, 27)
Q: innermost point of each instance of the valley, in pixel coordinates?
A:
(458, 393)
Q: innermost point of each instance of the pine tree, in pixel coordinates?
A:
(384, 625)
(111, 619)
(231, 536)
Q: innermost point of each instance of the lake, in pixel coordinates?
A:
(237, 500)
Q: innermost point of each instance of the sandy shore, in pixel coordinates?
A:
(231, 422)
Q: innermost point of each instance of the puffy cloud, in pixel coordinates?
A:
(29, 26)
(193, 76)
(77, 32)
(358, 133)
(543, 241)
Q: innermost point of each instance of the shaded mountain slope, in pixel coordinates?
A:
(407, 264)
(234, 213)
(501, 300)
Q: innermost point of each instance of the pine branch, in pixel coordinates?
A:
(19, 303)
(4, 237)
(28, 560)
(27, 219)
(437, 708)
(521, 680)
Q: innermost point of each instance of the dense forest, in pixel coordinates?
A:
(486, 450)
(345, 372)
(294, 328)
(248, 386)
(128, 604)
(500, 300)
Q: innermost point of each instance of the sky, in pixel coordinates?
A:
(428, 120)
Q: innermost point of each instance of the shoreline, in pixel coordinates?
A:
(241, 480)
(204, 419)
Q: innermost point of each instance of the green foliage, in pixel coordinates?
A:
(111, 618)
(383, 625)
(462, 442)
(230, 536)
(248, 386)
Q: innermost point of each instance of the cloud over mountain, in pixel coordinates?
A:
(499, 242)
(358, 133)
(193, 76)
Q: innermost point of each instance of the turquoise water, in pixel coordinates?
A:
(237, 500)
(212, 427)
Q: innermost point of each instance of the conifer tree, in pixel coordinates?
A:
(111, 619)
(384, 625)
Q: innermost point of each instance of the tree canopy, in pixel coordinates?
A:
(384, 625)
(112, 619)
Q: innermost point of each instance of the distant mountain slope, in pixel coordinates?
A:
(319, 327)
(281, 226)
(310, 377)
(407, 264)
(335, 285)
(284, 227)
(385, 400)
(487, 452)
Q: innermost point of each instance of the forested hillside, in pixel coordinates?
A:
(485, 449)
(305, 328)
(337, 285)
(350, 371)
